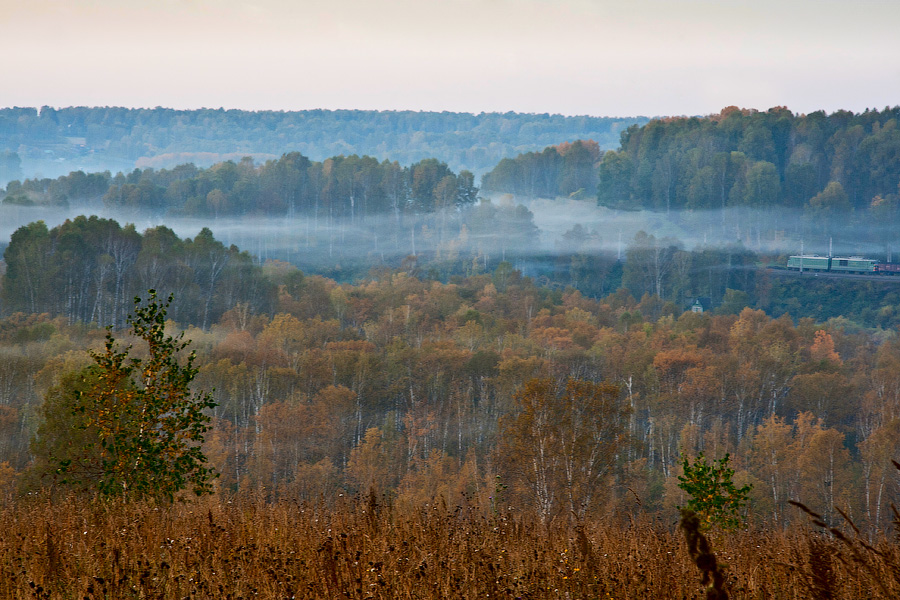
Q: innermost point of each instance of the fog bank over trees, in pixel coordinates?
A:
(346, 215)
(773, 180)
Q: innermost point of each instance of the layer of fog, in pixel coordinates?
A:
(565, 227)
(772, 231)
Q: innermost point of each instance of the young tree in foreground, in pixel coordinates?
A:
(714, 497)
(129, 426)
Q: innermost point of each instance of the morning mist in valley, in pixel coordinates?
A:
(519, 299)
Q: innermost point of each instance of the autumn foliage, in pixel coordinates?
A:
(423, 390)
(559, 447)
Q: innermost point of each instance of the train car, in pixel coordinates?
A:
(887, 268)
(852, 264)
(811, 262)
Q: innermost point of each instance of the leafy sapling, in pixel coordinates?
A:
(128, 426)
(713, 496)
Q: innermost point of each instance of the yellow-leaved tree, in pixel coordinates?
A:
(560, 445)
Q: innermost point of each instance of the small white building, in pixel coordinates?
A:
(701, 305)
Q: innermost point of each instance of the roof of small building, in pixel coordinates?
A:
(703, 301)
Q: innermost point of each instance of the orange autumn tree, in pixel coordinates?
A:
(559, 446)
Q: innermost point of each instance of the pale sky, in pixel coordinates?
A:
(594, 57)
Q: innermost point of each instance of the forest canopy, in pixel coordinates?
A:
(421, 389)
(341, 187)
(827, 163)
(563, 170)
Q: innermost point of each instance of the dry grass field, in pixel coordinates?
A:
(362, 548)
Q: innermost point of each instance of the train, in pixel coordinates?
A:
(855, 265)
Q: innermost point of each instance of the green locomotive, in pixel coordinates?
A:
(839, 264)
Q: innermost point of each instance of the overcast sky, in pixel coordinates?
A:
(596, 57)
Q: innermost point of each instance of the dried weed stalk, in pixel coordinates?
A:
(702, 555)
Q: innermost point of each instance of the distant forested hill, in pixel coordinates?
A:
(52, 142)
(825, 164)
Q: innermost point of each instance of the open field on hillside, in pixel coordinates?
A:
(363, 548)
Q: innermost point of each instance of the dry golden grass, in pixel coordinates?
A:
(213, 548)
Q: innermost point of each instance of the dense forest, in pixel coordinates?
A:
(777, 180)
(563, 170)
(89, 269)
(346, 214)
(773, 178)
(421, 389)
(823, 163)
(55, 141)
(350, 188)
(457, 353)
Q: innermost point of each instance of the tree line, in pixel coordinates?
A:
(831, 163)
(733, 277)
(342, 187)
(88, 269)
(58, 140)
(420, 389)
(568, 169)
